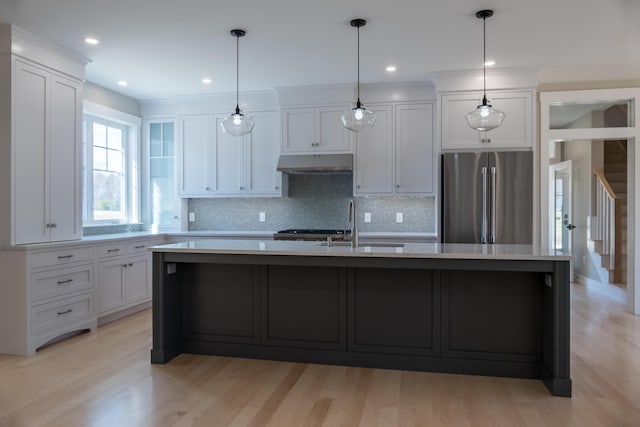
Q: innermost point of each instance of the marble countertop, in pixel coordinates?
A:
(406, 250)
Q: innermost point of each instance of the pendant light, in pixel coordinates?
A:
(485, 117)
(236, 123)
(359, 118)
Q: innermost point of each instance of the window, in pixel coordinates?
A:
(110, 172)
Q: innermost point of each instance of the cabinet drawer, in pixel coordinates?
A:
(112, 250)
(60, 257)
(138, 247)
(60, 314)
(52, 283)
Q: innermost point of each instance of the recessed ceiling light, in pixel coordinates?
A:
(391, 68)
(490, 63)
(206, 81)
(91, 40)
(122, 83)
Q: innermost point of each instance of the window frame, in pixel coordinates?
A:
(96, 113)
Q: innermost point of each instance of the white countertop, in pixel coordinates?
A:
(406, 250)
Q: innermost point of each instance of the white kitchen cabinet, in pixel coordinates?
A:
(47, 157)
(161, 194)
(374, 154)
(215, 163)
(123, 282)
(124, 279)
(196, 165)
(397, 155)
(515, 131)
(415, 158)
(315, 130)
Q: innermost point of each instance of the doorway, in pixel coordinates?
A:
(554, 105)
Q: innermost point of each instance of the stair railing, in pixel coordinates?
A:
(608, 224)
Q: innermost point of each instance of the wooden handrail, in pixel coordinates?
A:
(599, 173)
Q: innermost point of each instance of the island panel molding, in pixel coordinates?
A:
(419, 311)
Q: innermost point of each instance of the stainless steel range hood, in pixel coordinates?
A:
(315, 163)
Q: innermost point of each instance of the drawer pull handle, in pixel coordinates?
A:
(62, 282)
(140, 247)
(113, 250)
(64, 256)
(67, 311)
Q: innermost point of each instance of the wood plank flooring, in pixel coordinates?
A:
(105, 379)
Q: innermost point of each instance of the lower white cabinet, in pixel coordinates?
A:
(124, 281)
(47, 293)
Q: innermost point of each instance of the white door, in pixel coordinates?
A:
(64, 160)
(111, 285)
(331, 135)
(298, 128)
(229, 161)
(195, 156)
(262, 155)
(30, 209)
(374, 154)
(560, 177)
(137, 280)
(414, 149)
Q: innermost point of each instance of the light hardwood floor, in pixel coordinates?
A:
(105, 379)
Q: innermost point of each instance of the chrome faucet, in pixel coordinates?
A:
(353, 223)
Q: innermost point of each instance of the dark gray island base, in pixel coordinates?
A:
(489, 316)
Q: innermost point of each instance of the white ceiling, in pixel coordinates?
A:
(163, 48)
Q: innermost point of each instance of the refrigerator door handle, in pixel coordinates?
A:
(493, 204)
(483, 225)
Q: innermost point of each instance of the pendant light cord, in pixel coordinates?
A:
(484, 59)
(238, 74)
(358, 103)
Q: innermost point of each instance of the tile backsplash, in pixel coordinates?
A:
(314, 201)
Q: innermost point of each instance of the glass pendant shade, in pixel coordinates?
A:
(485, 117)
(358, 119)
(237, 124)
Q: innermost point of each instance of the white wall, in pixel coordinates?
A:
(108, 98)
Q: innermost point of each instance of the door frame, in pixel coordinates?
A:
(631, 133)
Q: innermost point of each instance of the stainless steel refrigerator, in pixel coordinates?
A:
(487, 197)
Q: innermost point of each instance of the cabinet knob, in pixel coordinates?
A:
(397, 185)
(130, 264)
(277, 188)
(207, 188)
(175, 217)
(124, 265)
(242, 188)
(358, 186)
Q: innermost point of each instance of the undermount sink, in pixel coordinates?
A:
(362, 245)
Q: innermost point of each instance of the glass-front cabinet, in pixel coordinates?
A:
(163, 201)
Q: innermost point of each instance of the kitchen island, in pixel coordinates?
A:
(500, 310)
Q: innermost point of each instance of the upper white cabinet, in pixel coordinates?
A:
(416, 164)
(314, 129)
(47, 155)
(214, 163)
(515, 131)
(162, 198)
(195, 154)
(397, 155)
(374, 154)
(247, 164)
